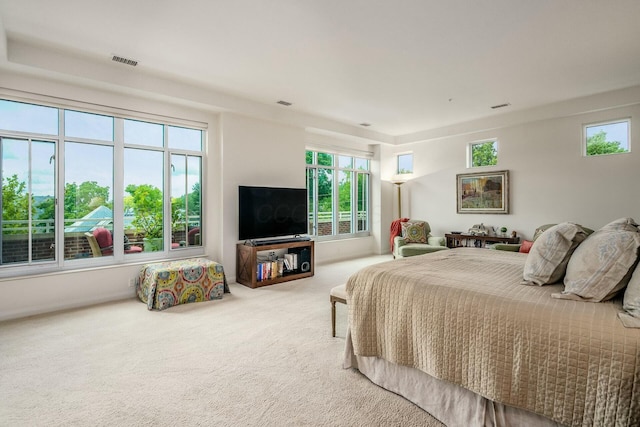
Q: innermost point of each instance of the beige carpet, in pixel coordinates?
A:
(258, 357)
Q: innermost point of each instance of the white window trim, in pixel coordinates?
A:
(335, 189)
(479, 142)
(583, 145)
(64, 265)
(405, 153)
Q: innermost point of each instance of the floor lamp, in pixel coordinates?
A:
(398, 183)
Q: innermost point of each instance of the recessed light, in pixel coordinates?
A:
(285, 103)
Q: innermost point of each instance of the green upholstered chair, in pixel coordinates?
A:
(405, 246)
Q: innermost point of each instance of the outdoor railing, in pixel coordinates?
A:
(42, 226)
(342, 216)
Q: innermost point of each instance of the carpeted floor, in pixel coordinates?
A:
(258, 357)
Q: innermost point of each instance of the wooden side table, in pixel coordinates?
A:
(467, 240)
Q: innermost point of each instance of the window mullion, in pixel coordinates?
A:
(60, 199)
(335, 201)
(354, 202)
(166, 192)
(316, 199)
(118, 189)
(30, 204)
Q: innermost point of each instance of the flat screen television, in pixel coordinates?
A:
(271, 212)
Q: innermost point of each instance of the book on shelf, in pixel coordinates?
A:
(267, 270)
(291, 259)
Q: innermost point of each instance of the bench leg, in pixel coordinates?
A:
(333, 319)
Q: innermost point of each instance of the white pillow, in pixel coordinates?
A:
(602, 265)
(550, 253)
(631, 303)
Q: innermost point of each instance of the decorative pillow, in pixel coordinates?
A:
(525, 247)
(622, 224)
(548, 257)
(631, 303)
(415, 232)
(602, 265)
(541, 230)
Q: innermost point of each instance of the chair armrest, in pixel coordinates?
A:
(436, 241)
(513, 247)
(399, 241)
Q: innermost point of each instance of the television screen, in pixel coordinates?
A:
(271, 212)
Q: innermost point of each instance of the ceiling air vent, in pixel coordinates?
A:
(365, 124)
(285, 103)
(506, 104)
(126, 61)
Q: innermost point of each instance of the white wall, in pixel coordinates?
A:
(550, 180)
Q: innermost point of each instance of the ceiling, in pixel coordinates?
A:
(403, 66)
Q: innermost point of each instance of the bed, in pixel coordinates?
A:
(458, 334)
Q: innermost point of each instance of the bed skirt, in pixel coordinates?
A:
(447, 402)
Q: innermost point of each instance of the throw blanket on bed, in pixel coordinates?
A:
(462, 316)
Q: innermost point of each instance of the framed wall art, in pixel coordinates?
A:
(483, 192)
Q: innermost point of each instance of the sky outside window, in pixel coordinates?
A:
(405, 163)
(88, 126)
(185, 139)
(143, 133)
(21, 117)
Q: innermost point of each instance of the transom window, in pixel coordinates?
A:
(338, 191)
(483, 153)
(405, 164)
(606, 138)
(70, 175)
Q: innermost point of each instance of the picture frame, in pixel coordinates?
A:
(483, 192)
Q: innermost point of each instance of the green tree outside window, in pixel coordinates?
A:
(598, 144)
(484, 154)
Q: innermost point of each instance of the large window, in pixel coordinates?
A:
(77, 185)
(338, 189)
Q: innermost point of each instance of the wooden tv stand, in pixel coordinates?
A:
(247, 263)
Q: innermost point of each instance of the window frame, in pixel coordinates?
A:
(585, 126)
(312, 168)
(400, 171)
(472, 144)
(59, 263)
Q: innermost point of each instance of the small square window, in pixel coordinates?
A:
(606, 138)
(483, 153)
(405, 163)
